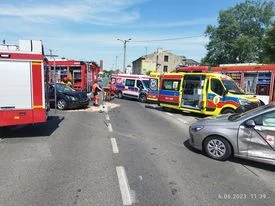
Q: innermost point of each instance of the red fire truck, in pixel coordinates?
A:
(75, 71)
(22, 85)
(256, 79)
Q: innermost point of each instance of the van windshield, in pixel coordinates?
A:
(232, 87)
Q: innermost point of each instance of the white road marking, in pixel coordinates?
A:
(169, 114)
(124, 186)
(107, 117)
(110, 127)
(114, 146)
(140, 177)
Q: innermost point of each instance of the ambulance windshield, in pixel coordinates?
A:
(232, 87)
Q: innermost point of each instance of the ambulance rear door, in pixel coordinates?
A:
(192, 91)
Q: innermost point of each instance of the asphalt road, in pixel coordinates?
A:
(135, 154)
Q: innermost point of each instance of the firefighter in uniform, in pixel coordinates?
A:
(95, 90)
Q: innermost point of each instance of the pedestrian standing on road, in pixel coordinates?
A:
(95, 90)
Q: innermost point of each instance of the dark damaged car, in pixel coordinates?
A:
(66, 97)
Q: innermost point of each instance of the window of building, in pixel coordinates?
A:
(171, 85)
(166, 58)
(217, 87)
(130, 82)
(165, 68)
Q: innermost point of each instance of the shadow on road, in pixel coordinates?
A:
(174, 111)
(241, 161)
(251, 163)
(37, 130)
(188, 146)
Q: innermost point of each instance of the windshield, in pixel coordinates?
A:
(146, 83)
(63, 88)
(232, 87)
(235, 117)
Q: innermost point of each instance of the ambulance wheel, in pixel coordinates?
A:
(119, 95)
(228, 111)
(142, 98)
(61, 104)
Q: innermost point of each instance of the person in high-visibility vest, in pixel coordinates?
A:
(95, 90)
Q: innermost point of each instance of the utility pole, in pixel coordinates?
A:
(146, 50)
(55, 77)
(116, 63)
(124, 46)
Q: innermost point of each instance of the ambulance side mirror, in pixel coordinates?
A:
(225, 92)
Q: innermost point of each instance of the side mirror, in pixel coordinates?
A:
(225, 92)
(250, 124)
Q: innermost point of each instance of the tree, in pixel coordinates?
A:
(269, 45)
(239, 35)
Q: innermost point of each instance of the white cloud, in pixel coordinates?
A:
(184, 23)
(105, 12)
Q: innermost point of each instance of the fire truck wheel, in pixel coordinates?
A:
(119, 95)
(142, 98)
(61, 104)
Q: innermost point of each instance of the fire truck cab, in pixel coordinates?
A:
(22, 84)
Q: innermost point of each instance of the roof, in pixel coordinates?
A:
(191, 61)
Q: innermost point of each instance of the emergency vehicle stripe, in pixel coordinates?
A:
(37, 84)
(38, 106)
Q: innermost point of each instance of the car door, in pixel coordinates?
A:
(260, 140)
(169, 92)
(51, 94)
(130, 88)
(215, 95)
(153, 91)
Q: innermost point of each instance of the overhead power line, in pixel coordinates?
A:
(170, 39)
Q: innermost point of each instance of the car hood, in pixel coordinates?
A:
(215, 120)
(246, 97)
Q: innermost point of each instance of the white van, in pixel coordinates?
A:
(131, 86)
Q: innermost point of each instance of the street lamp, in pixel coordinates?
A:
(124, 59)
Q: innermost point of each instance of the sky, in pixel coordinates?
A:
(88, 29)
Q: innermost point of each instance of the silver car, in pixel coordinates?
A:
(250, 135)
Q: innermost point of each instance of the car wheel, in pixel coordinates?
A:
(217, 148)
(142, 98)
(228, 111)
(61, 104)
(119, 95)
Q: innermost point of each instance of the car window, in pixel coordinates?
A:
(146, 83)
(217, 87)
(139, 84)
(266, 120)
(130, 82)
(171, 85)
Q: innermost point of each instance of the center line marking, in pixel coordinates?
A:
(114, 146)
(107, 117)
(124, 186)
(110, 127)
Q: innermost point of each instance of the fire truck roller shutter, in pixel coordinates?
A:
(15, 88)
